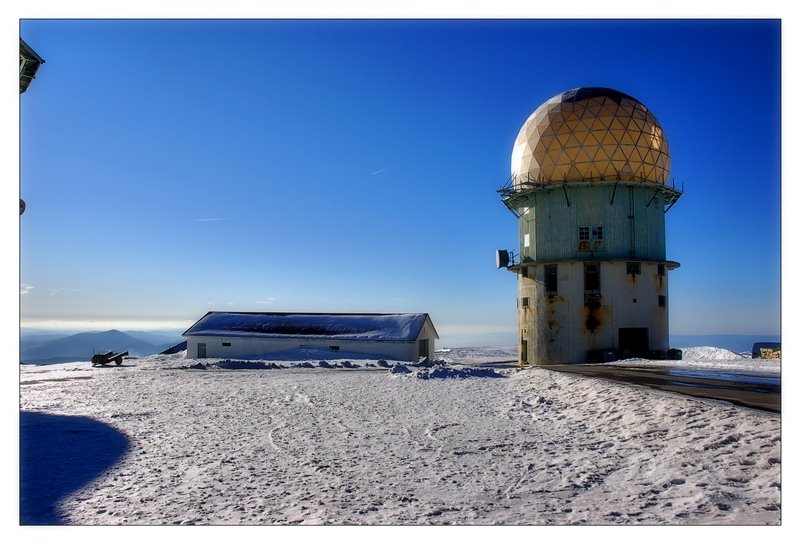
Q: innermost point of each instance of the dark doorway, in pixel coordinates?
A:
(423, 348)
(523, 352)
(634, 341)
(201, 350)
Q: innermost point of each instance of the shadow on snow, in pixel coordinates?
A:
(58, 456)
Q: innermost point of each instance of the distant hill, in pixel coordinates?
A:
(32, 340)
(81, 346)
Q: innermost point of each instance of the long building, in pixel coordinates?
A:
(405, 337)
(589, 185)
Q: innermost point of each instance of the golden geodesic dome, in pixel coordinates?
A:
(591, 134)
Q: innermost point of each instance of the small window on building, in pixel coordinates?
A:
(590, 238)
(527, 240)
(597, 234)
(525, 301)
(226, 344)
(583, 239)
(662, 301)
(634, 267)
(591, 277)
(333, 348)
(661, 269)
(551, 279)
(524, 272)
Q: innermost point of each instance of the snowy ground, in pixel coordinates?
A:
(710, 357)
(213, 442)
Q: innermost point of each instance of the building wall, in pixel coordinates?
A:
(561, 328)
(244, 347)
(633, 225)
(429, 333)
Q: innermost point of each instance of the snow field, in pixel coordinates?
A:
(341, 446)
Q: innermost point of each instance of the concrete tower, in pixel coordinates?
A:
(589, 186)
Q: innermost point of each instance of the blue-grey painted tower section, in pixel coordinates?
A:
(589, 189)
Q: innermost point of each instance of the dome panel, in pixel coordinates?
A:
(573, 141)
(609, 139)
(619, 123)
(585, 155)
(617, 134)
(600, 157)
(591, 139)
(626, 138)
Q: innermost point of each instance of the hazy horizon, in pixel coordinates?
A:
(734, 342)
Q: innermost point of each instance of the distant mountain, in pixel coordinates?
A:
(81, 346)
(32, 340)
(158, 337)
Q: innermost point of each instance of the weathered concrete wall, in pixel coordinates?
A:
(561, 328)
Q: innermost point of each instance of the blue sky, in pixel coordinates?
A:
(173, 167)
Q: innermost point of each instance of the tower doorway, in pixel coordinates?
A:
(523, 352)
(634, 341)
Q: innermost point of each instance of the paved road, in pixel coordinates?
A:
(759, 391)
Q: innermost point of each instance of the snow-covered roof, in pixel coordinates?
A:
(371, 327)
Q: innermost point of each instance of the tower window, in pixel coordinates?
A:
(583, 238)
(524, 272)
(551, 279)
(661, 269)
(525, 302)
(597, 234)
(662, 301)
(634, 267)
(590, 238)
(226, 344)
(591, 277)
(527, 240)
